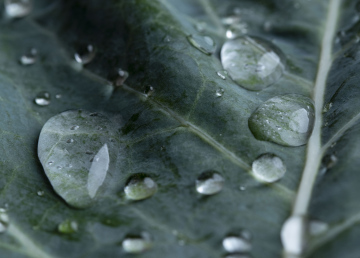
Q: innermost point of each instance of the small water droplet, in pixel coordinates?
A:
(122, 75)
(75, 127)
(317, 227)
(85, 55)
(136, 243)
(70, 141)
(222, 74)
(58, 96)
(17, 8)
(29, 58)
(293, 235)
(139, 187)
(242, 188)
(263, 61)
(219, 92)
(59, 167)
(43, 98)
(149, 90)
(296, 120)
(50, 163)
(40, 193)
(237, 242)
(268, 168)
(68, 227)
(205, 44)
(4, 220)
(209, 183)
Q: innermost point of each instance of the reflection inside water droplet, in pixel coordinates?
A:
(209, 183)
(98, 171)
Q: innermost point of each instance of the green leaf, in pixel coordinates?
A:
(170, 123)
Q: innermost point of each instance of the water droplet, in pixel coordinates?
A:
(242, 188)
(122, 75)
(40, 193)
(317, 227)
(139, 187)
(296, 120)
(75, 127)
(59, 167)
(50, 163)
(17, 8)
(136, 243)
(98, 170)
(237, 242)
(293, 235)
(327, 107)
(204, 44)
(68, 227)
(85, 55)
(70, 141)
(219, 92)
(29, 58)
(42, 99)
(58, 96)
(149, 90)
(252, 63)
(4, 220)
(222, 74)
(236, 30)
(268, 168)
(209, 183)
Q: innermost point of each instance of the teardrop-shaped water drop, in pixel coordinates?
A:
(268, 168)
(140, 186)
(68, 227)
(292, 113)
(29, 58)
(85, 54)
(4, 220)
(252, 63)
(43, 98)
(293, 235)
(136, 243)
(237, 242)
(204, 44)
(209, 183)
(17, 8)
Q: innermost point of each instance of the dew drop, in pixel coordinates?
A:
(149, 90)
(40, 193)
(296, 120)
(293, 235)
(85, 55)
(17, 8)
(75, 127)
(136, 243)
(222, 74)
(68, 227)
(122, 75)
(205, 44)
(268, 168)
(209, 183)
(242, 188)
(4, 220)
(252, 63)
(219, 92)
(29, 58)
(139, 187)
(238, 242)
(42, 99)
(58, 96)
(50, 163)
(317, 227)
(70, 141)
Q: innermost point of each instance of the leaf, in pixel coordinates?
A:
(179, 129)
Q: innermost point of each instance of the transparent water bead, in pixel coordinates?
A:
(43, 98)
(122, 75)
(140, 186)
(4, 220)
(222, 74)
(40, 193)
(237, 242)
(209, 183)
(29, 58)
(136, 243)
(252, 63)
(268, 168)
(204, 44)
(17, 8)
(293, 235)
(219, 92)
(68, 227)
(286, 120)
(85, 55)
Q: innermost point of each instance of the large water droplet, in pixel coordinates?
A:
(209, 182)
(29, 58)
(68, 227)
(293, 235)
(43, 98)
(203, 43)
(136, 243)
(286, 120)
(237, 242)
(268, 168)
(17, 8)
(4, 220)
(85, 55)
(139, 187)
(252, 63)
